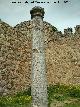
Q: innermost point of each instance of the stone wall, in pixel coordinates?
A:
(62, 56)
(15, 56)
(63, 61)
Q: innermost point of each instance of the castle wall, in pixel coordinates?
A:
(15, 60)
(62, 57)
(63, 61)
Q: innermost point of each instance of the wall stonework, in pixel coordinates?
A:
(62, 56)
(15, 59)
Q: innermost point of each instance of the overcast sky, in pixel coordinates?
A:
(60, 15)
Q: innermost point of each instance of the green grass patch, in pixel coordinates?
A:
(21, 99)
(74, 103)
(14, 101)
(62, 94)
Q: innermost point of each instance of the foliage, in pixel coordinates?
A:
(55, 92)
(25, 92)
(54, 28)
(62, 92)
(21, 99)
(11, 101)
(74, 104)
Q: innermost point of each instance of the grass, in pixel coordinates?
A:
(14, 101)
(21, 99)
(64, 96)
(74, 104)
(58, 96)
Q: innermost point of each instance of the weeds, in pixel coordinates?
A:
(55, 92)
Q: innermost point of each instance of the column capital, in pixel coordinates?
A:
(37, 11)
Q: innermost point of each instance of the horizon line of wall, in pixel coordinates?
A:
(68, 31)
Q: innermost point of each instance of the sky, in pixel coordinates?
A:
(61, 15)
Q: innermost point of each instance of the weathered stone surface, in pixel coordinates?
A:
(1, 90)
(68, 32)
(77, 29)
(39, 79)
(62, 56)
(15, 56)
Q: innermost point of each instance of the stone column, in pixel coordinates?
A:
(39, 80)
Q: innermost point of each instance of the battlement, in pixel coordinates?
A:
(68, 31)
(77, 29)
